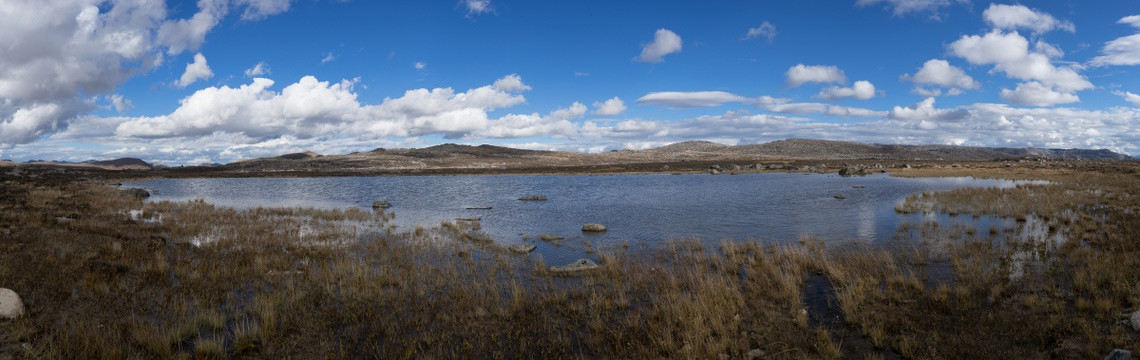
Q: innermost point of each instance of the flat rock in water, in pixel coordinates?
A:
(381, 204)
(522, 248)
(549, 237)
(593, 228)
(478, 208)
(10, 305)
(533, 198)
(840, 196)
(576, 266)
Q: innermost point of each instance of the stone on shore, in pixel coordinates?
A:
(381, 204)
(593, 228)
(10, 305)
(521, 248)
(576, 266)
(533, 198)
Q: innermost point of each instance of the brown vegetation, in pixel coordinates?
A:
(131, 279)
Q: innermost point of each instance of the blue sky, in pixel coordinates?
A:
(185, 82)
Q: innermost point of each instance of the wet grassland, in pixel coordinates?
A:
(104, 274)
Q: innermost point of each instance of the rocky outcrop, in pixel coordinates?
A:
(10, 305)
(593, 228)
(849, 170)
(574, 267)
(533, 198)
(521, 248)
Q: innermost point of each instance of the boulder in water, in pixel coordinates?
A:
(533, 198)
(593, 228)
(521, 248)
(381, 204)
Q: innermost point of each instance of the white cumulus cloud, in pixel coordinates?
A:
(259, 69)
(765, 30)
(197, 70)
(260, 9)
(1012, 17)
(861, 90)
(1121, 51)
(1129, 97)
(800, 74)
(611, 107)
(904, 7)
(938, 72)
(510, 83)
(1037, 94)
(476, 7)
(420, 65)
(1044, 82)
(60, 56)
(665, 42)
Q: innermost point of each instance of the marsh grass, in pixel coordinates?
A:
(190, 279)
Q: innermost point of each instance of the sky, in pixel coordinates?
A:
(216, 81)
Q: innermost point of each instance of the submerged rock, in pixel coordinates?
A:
(10, 305)
(521, 248)
(381, 204)
(549, 237)
(533, 198)
(593, 228)
(840, 196)
(576, 266)
(478, 236)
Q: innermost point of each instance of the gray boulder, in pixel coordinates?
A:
(576, 266)
(1118, 354)
(10, 305)
(521, 248)
(533, 198)
(733, 167)
(381, 204)
(593, 228)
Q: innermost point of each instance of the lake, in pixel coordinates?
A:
(642, 210)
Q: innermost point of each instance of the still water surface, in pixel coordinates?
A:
(637, 209)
